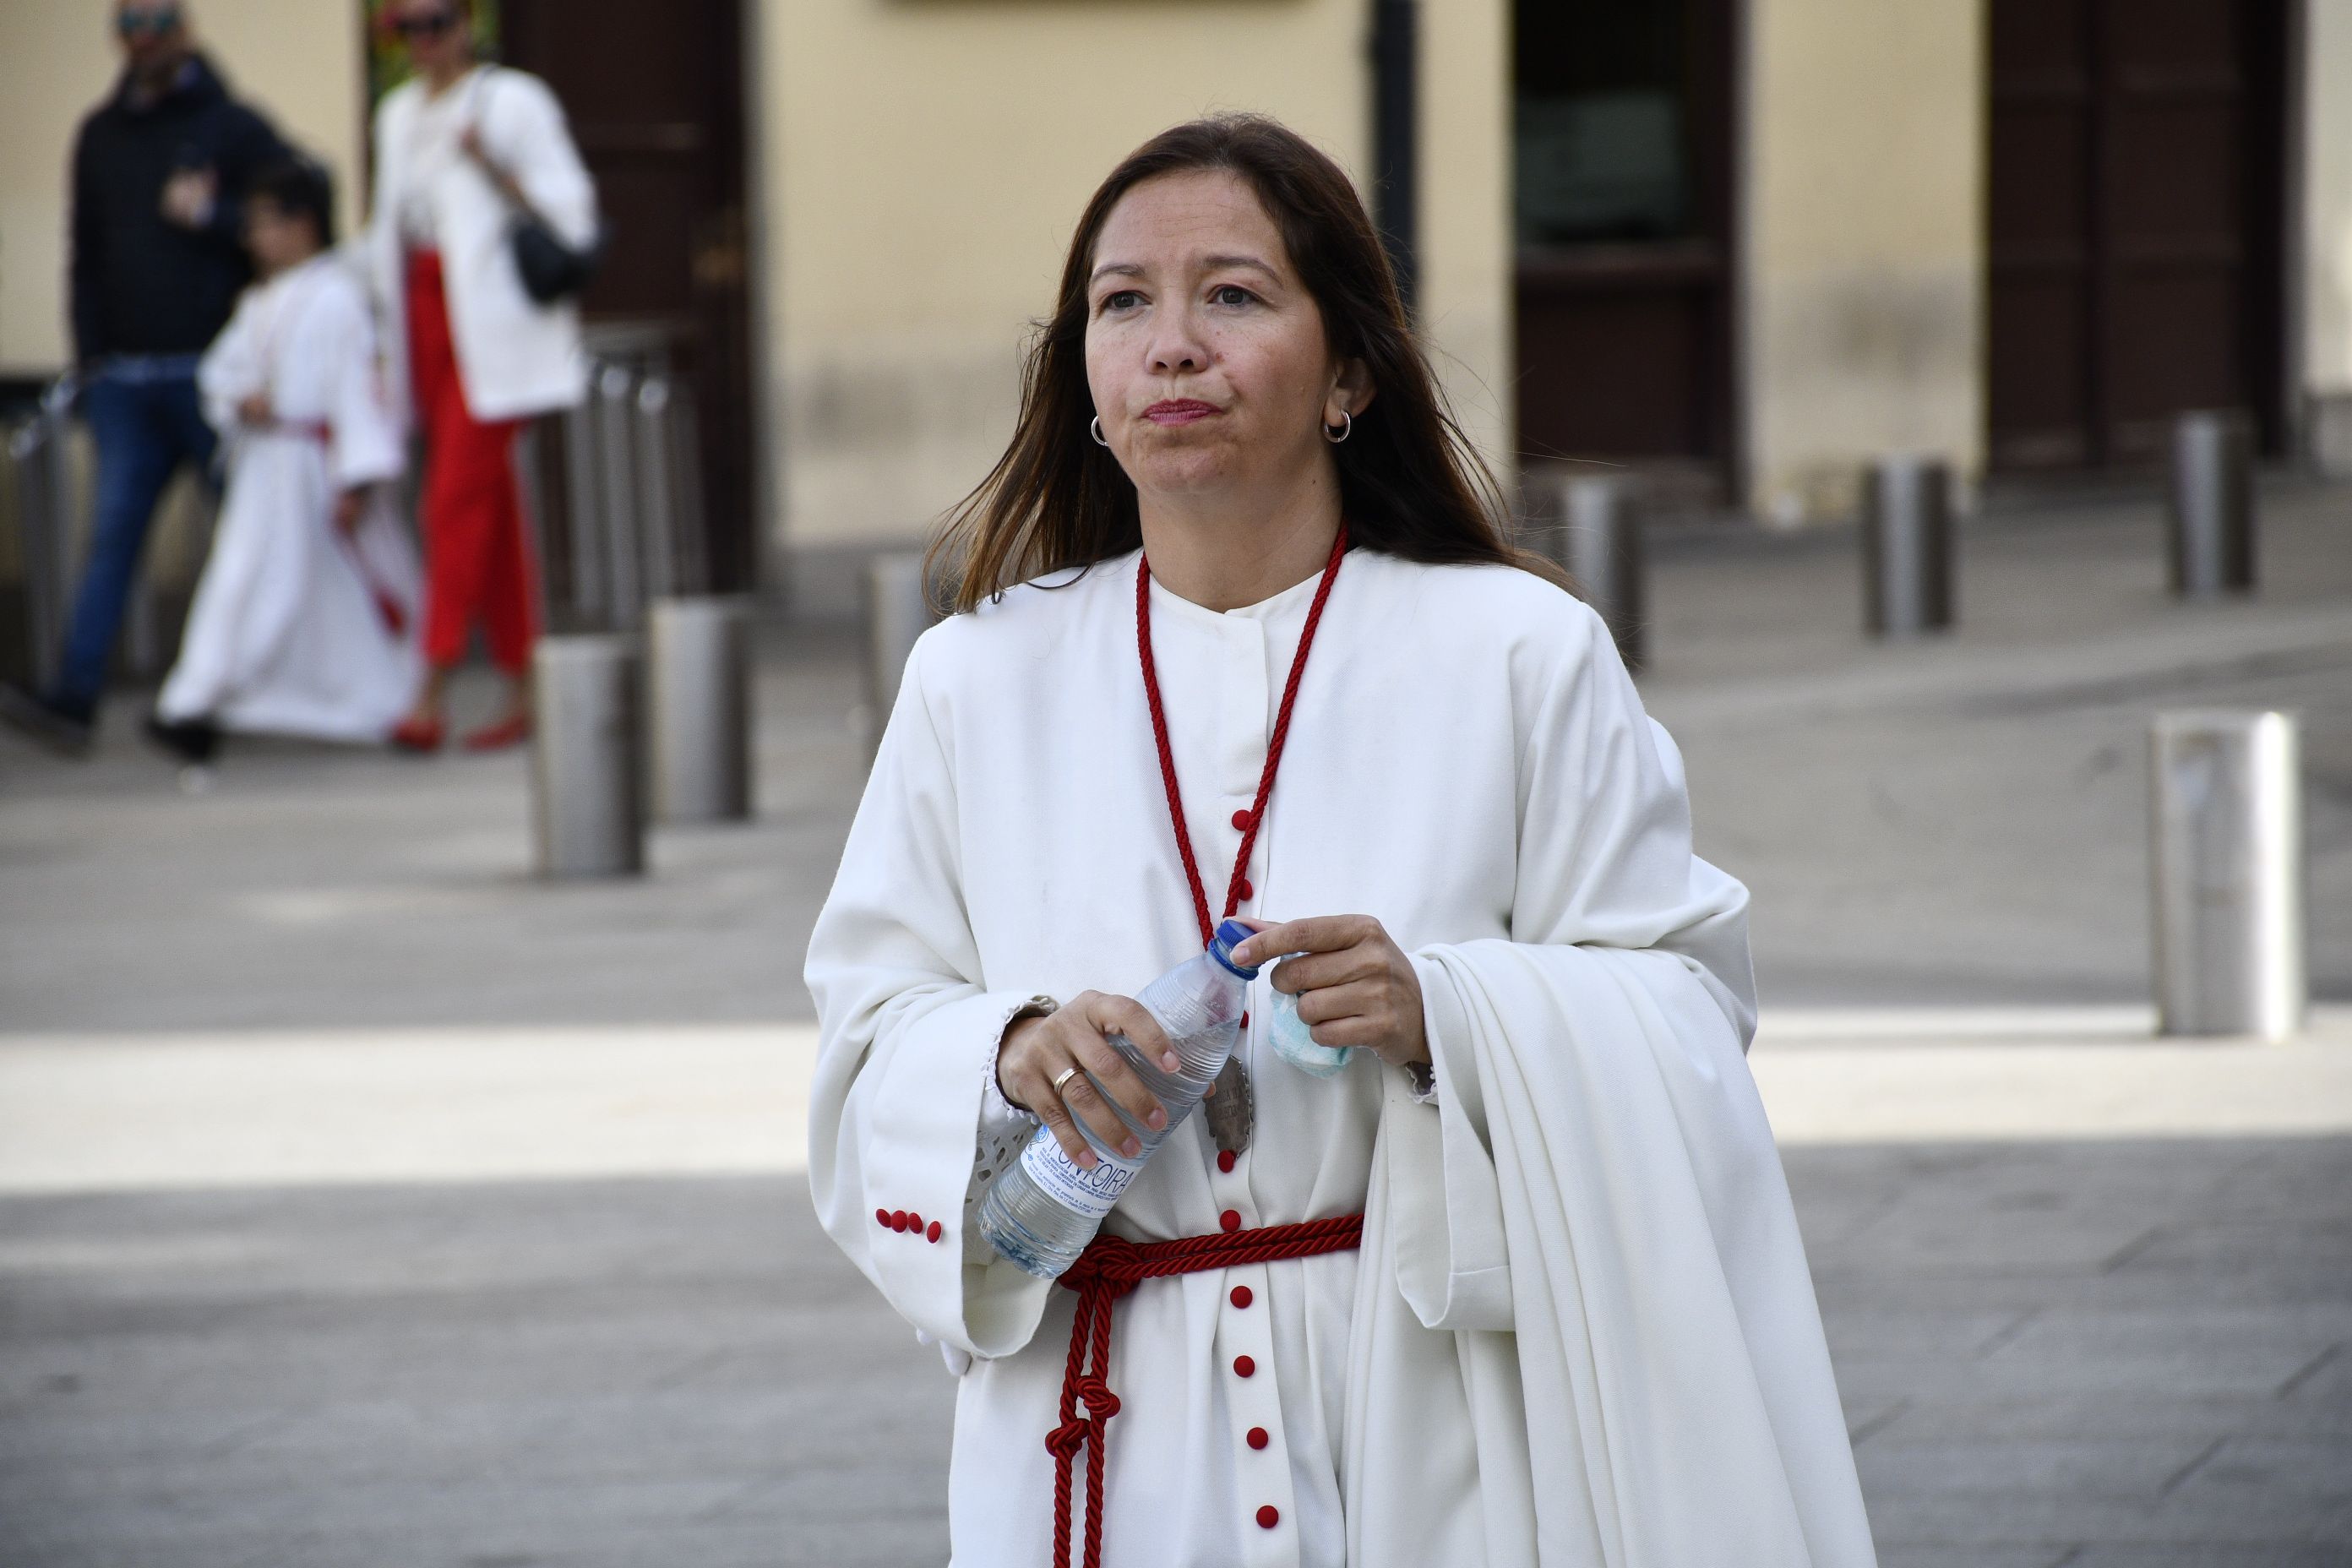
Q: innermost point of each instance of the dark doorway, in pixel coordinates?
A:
(1622, 198)
(2137, 223)
(656, 100)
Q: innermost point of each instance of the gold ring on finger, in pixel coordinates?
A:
(1064, 1076)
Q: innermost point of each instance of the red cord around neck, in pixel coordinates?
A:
(1273, 747)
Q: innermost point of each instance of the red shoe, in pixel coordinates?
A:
(512, 731)
(419, 735)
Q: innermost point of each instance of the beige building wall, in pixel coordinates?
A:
(300, 64)
(1465, 249)
(2325, 263)
(923, 166)
(1863, 235)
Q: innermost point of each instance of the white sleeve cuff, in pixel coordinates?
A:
(1422, 1079)
(1000, 1119)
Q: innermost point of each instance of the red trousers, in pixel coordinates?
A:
(478, 563)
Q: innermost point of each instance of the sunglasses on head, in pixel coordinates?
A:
(134, 24)
(427, 25)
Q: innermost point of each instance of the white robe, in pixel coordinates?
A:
(1581, 1329)
(286, 635)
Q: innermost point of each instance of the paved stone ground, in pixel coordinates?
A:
(2103, 1356)
(2084, 1350)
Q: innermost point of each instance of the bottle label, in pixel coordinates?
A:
(1082, 1191)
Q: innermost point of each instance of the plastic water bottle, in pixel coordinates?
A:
(1043, 1209)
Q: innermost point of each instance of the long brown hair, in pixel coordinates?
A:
(1410, 482)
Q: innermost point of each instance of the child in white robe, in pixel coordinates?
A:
(303, 620)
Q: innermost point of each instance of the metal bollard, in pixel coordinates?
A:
(41, 542)
(1601, 548)
(586, 803)
(2211, 538)
(2226, 823)
(898, 609)
(698, 682)
(657, 493)
(48, 507)
(581, 482)
(1908, 566)
(625, 595)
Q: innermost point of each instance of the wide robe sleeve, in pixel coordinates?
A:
(366, 439)
(232, 369)
(908, 1035)
(1594, 1204)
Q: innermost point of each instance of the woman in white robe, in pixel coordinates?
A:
(303, 620)
(1579, 1327)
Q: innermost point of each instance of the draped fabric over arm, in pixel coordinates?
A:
(1598, 1177)
(909, 1030)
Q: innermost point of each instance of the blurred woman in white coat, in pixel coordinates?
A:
(465, 152)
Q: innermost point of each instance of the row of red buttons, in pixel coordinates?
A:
(902, 1220)
(1243, 1366)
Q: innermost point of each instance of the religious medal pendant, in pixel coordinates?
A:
(1231, 1115)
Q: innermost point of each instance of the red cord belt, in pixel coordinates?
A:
(1108, 1268)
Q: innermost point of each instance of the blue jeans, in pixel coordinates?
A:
(147, 421)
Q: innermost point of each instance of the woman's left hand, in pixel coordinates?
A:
(1355, 986)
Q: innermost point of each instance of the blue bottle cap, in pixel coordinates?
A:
(1230, 935)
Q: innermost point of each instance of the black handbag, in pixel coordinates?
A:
(551, 270)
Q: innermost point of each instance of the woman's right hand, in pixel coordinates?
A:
(1037, 1051)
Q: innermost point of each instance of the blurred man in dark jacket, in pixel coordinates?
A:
(159, 175)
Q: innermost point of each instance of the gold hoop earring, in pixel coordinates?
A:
(1346, 428)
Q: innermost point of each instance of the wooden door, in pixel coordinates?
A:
(2136, 226)
(655, 102)
(1621, 195)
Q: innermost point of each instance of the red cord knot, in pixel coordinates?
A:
(1110, 1263)
(1065, 1441)
(1101, 1404)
